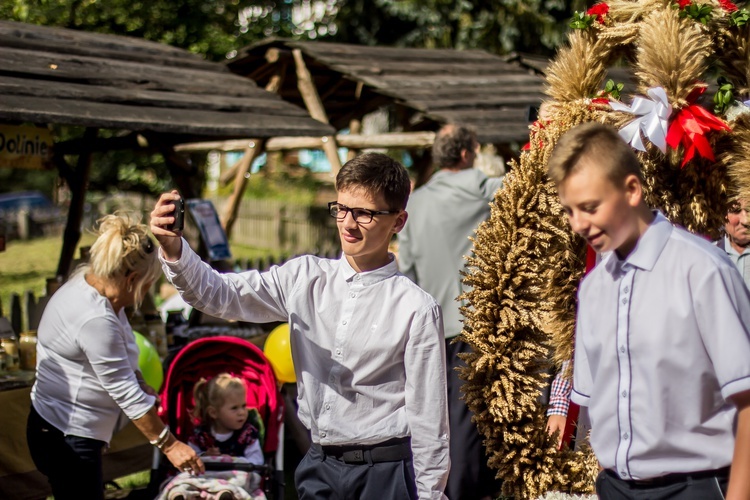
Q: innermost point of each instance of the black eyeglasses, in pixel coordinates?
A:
(360, 215)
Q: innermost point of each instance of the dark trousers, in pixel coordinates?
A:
(73, 465)
(702, 486)
(320, 477)
(470, 478)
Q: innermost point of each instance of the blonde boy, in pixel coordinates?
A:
(662, 354)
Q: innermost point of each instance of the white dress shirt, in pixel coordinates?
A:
(367, 347)
(85, 365)
(661, 342)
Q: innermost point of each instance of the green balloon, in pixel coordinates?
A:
(149, 362)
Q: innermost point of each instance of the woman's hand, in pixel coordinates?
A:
(183, 457)
(161, 217)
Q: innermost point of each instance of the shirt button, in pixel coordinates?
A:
(626, 289)
(622, 348)
(328, 407)
(343, 322)
(322, 434)
(352, 295)
(624, 394)
(623, 473)
(624, 301)
(625, 436)
(338, 352)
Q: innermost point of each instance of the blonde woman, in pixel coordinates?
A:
(87, 366)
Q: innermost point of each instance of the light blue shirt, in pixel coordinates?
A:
(432, 247)
(661, 343)
(741, 260)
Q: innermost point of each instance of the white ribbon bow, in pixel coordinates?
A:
(652, 117)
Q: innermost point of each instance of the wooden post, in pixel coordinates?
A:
(355, 128)
(252, 151)
(315, 107)
(78, 182)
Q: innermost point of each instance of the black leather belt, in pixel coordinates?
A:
(674, 478)
(393, 450)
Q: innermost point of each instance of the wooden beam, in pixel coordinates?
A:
(391, 140)
(355, 127)
(353, 142)
(252, 151)
(315, 108)
(78, 182)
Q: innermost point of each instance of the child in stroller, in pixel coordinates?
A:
(209, 386)
(225, 434)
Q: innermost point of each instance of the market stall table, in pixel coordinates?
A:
(129, 450)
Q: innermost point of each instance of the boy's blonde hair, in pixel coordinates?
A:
(599, 142)
(123, 247)
(213, 393)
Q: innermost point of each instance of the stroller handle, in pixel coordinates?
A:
(225, 466)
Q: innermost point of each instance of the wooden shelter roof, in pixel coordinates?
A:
(494, 94)
(63, 76)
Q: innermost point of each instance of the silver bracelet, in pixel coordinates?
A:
(161, 440)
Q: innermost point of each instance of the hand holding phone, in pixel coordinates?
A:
(179, 216)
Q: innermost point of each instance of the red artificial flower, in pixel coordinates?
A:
(684, 3)
(599, 10)
(690, 128)
(728, 5)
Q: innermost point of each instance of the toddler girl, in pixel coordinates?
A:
(224, 434)
(221, 407)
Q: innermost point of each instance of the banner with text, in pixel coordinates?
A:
(23, 146)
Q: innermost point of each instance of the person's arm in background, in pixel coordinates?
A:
(490, 186)
(559, 403)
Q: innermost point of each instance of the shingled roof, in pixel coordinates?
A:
(438, 86)
(63, 76)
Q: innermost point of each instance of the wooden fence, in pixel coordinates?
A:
(283, 226)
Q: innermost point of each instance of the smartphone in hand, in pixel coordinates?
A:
(179, 216)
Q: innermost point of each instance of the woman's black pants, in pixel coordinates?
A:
(72, 464)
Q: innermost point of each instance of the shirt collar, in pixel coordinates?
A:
(730, 249)
(369, 277)
(647, 249)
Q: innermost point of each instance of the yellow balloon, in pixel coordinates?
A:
(278, 350)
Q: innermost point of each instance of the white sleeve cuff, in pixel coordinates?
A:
(578, 398)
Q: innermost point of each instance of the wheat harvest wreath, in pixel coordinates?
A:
(526, 265)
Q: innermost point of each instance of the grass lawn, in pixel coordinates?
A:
(25, 265)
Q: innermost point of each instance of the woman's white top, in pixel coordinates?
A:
(86, 362)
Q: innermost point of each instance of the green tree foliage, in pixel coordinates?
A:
(500, 26)
(211, 28)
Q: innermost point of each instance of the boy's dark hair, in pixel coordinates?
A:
(600, 142)
(376, 173)
(449, 142)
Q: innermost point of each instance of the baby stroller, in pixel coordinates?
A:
(207, 357)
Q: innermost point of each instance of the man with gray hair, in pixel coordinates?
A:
(443, 214)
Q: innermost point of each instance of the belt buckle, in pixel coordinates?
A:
(357, 456)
